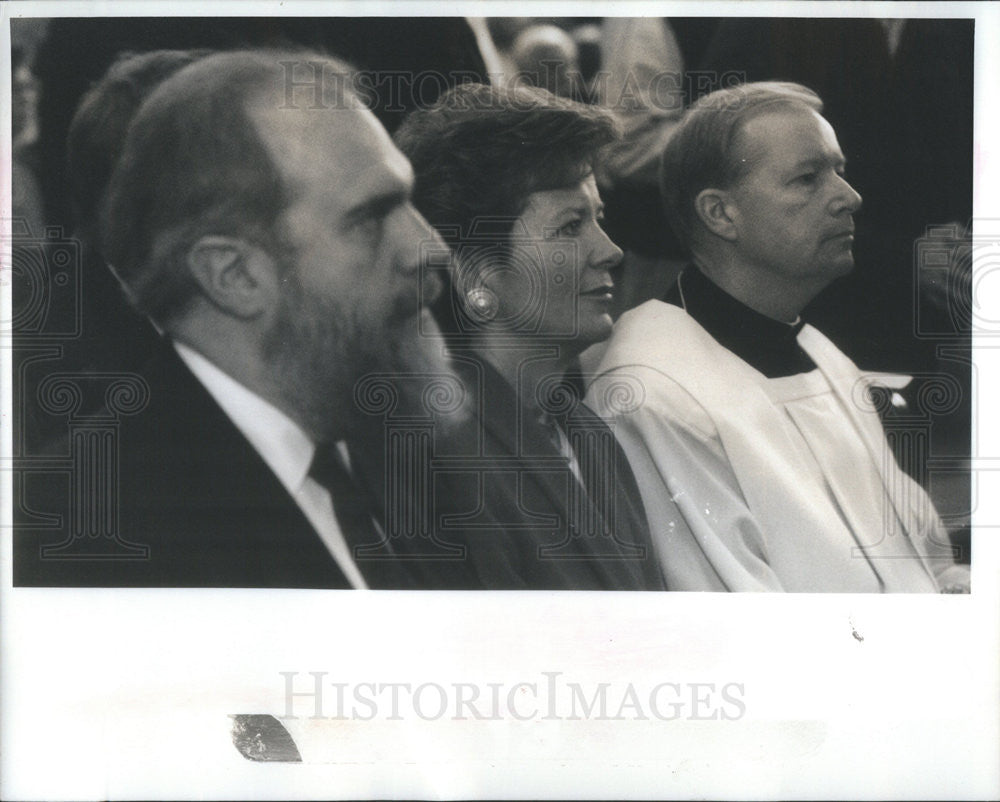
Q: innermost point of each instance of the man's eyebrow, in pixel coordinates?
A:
(817, 162)
(379, 204)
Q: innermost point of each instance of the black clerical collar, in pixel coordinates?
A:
(765, 344)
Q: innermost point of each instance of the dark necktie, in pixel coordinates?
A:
(353, 506)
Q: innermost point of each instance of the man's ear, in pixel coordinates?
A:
(239, 278)
(714, 209)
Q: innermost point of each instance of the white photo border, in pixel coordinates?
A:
(112, 694)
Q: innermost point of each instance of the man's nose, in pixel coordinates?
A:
(420, 252)
(846, 199)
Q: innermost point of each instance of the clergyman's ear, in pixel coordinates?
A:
(234, 275)
(715, 211)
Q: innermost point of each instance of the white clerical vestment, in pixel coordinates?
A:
(781, 483)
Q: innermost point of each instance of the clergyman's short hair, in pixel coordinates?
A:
(193, 165)
(701, 153)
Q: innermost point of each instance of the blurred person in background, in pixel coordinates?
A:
(27, 197)
(546, 56)
(113, 337)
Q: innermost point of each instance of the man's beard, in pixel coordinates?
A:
(334, 365)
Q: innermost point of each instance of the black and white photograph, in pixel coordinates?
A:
(487, 313)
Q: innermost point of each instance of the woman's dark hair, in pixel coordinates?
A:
(480, 152)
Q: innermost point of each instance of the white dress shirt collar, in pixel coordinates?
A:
(281, 443)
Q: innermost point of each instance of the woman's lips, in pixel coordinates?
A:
(602, 293)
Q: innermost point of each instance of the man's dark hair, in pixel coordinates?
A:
(101, 121)
(702, 152)
(193, 165)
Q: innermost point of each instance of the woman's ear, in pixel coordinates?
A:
(715, 209)
(470, 278)
(237, 277)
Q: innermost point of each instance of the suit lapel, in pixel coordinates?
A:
(242, 526)
(622, 541)
(586, 547)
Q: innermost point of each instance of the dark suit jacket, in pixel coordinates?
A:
(196, 501)
(505, 493)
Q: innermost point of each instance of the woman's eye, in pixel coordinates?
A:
(570, 228)
(807, 178)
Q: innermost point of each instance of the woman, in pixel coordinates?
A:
(538, 489)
